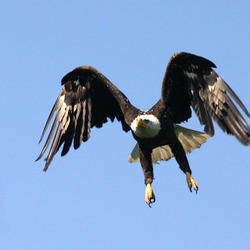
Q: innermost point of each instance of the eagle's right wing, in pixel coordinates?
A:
(87, 99)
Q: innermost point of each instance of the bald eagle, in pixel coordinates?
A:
(88, 99)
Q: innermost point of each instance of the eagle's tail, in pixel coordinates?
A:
(190, 140)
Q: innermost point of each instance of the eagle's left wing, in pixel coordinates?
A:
(190, 81)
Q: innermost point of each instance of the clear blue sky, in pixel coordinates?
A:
(93, 198)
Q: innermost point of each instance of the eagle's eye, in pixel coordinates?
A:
(146, 121)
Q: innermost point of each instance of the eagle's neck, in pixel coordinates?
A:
(146, 126)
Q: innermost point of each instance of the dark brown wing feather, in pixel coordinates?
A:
(190, 81)
(87, 99)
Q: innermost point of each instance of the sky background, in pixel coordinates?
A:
(93, 198)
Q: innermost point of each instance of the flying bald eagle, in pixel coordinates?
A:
(88, 99)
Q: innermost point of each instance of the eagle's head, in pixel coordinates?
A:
(146, 126)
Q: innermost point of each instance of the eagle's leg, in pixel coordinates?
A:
(147, 167)
(182, 160)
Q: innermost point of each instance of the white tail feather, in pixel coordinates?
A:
(189, 139)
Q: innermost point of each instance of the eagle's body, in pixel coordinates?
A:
(88, 99)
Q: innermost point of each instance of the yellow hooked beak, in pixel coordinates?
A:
(141, 123)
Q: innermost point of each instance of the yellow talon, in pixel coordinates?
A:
(149, 195)
(191, 182)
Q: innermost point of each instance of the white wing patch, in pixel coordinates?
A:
(190, 74)
(213, 87)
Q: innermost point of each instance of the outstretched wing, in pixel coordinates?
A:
(87, 99)
(190, 81)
